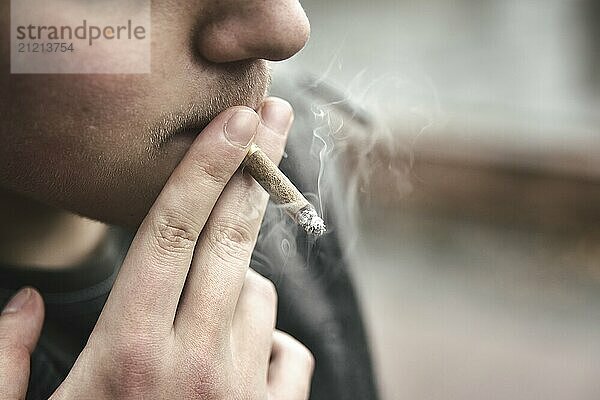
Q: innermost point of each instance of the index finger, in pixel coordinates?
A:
(154, 271)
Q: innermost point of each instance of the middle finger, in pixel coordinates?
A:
(227, 241)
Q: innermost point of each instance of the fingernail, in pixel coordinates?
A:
(18, 301)
(241, 127)
(277, 114)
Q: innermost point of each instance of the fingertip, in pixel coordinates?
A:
(225, 115)
(36, 302)
(20, 326)
(24, 314)
(19, 301)
(277, 114)
(237, 124)
(240, 128)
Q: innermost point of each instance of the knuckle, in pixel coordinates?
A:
(211, 173)
(173, 232)
(262, 287)
(246, 388)
(231, 238)
(207, 376)
(138, 366)
(309, 358)
(302, 354)
(203, 389)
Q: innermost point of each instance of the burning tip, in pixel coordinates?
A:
(311, 222)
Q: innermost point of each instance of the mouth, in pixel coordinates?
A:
(185, 124)
(248, 87)
(177, 124)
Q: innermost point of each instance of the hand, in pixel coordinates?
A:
(187, 318)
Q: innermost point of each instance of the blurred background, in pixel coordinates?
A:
(473, 176)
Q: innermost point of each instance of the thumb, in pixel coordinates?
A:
(20, 326)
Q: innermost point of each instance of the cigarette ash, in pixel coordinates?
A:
(311, 222)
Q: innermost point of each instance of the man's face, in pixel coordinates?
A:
(104, 145)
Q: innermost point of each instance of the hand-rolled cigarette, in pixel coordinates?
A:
(282, 191)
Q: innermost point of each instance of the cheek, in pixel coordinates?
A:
(80, 143)
(66, 122)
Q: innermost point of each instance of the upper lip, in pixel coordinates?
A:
(176, 124)
(192, 118)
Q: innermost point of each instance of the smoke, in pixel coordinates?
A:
(352, 144)
(364, 139)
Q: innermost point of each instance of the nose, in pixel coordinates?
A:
(235, 30)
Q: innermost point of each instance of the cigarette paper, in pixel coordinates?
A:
(282, 191)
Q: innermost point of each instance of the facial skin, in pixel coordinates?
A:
(88, 143)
